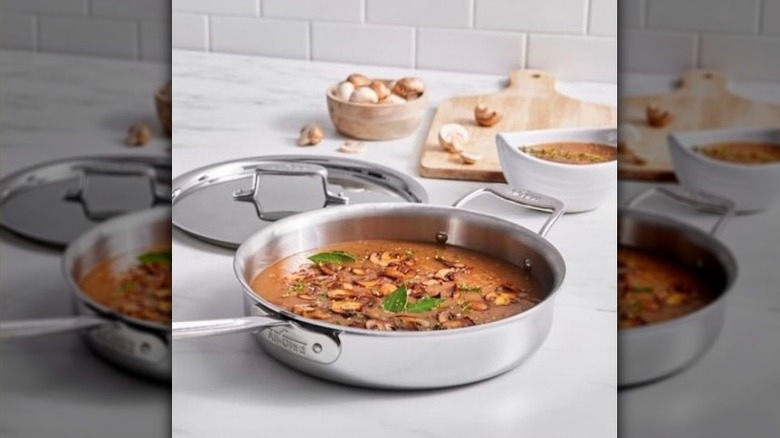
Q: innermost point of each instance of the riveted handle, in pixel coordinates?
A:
(525, 198)
(697, 199)
(51, 326)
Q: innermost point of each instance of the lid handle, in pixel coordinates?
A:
(286, 169)
(701, 200)
(525, 198)
(159, 195)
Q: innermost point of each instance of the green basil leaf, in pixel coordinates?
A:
(424, 304)
(332, 257)
(155, 257)
(396, 301)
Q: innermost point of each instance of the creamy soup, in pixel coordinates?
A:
(137, 285)
(572, 152)
(397, 285)
(742, 152)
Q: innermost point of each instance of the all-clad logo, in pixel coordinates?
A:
(522, 194)
(287, 167)
(111, 339)
(281, 339)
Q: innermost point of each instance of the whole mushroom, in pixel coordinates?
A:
(409, 88)
(486, 116)
(311, 134)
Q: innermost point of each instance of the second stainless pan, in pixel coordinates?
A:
(398, 360)
(656, 351)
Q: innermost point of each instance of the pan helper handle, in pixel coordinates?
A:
(525, 198)
(701, 200)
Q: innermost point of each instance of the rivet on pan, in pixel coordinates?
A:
(442, 237)
(527, 264)
(317, 348)
(145, 347)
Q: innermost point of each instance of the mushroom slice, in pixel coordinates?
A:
(443, 274)
(461, 322)
(368, 283)
(326, 269)
(412, 322)
(393, 272)
(317, 314)
(446, 315)
(346, 306)
(378, 324)
(338, 294)
(449, 263)
(387, 288)
(469, 157)
(306, 297)
(300, 309)
(453, 137)
(352, 147)
(486, 116)
(479, 305)
(501, 298)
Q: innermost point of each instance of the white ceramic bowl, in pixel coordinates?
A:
(581, 187)
(751, 187)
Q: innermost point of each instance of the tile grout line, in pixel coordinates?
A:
(415, 43)
(310, 42)
(208, 33)
(588, 12)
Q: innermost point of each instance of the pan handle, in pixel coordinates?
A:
(41, 327)
(525, 198)
(215, 327)
(697, 199)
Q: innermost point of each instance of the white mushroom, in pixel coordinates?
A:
(358, 80)
(453, 137)
(469, 157)
(409, 88)
(311, 134)
(352, 147)
(392, 99)
(344, 90)
(380, 88)
(364, 95)
(486, 116)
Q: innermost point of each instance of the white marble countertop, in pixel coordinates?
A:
(229, 107)
(55, 107)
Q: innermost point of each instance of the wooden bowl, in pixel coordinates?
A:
(371, 121)
(163, 103)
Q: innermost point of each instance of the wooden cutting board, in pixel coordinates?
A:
(701, 101)
(530, 102)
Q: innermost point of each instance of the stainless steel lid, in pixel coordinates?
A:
(227, 202)
(55, 202)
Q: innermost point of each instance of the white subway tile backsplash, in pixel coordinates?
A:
(88, 36)
(232, 7)
(189, 31)
(434, 13)
(470, 51)
(631, 13)
(362, 44)
(18, 31)
(132, 9)
(330, 10)
(552, 16)
(63, 7)
(574, 57)
(703, 15)
(258, 36)
(741, 57)
(156, 41)
(770, 21)
(603, 17)
(656, 52)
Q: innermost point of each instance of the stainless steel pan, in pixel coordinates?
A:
(656, 351)
(133, 344)
(397, 360)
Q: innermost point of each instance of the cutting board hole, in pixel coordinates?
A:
(536, 76)
(707, 75)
